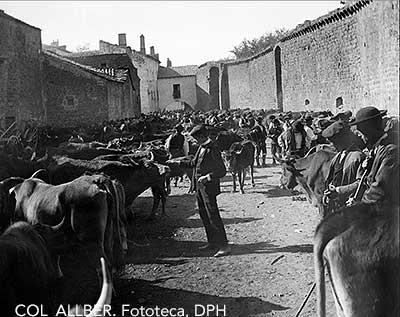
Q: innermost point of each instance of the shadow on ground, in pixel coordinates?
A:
(148, 294)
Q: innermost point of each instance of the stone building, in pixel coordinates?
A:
(77, 94)
(114, 61)
(147, 66)
(212, 86)
(20, 69)
(177, 87)
(346, 59)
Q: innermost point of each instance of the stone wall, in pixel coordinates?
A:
(350, 54)
(354, 58)
(74, 96)
(20, 84)
(211, 90)
(187, 89)
(147, 70)
(117, 60)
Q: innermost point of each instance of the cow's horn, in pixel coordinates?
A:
(151, 156)
(40, 174)
(106, 292)
(58, 227)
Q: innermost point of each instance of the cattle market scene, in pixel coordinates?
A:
(199, 158)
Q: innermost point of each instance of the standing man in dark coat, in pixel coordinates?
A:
(208, 169)
(176, 143)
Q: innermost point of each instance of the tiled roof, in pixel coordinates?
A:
(117, 75)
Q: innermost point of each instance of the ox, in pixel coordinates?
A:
(239, 157)
(360, 245)
(93, 207)
(135, 177)
(27, 274)
(310, 172)
(179, 167)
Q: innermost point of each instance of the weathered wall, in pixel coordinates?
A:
(20, 84)
(355, 58)
(209, 87)
(147, 70)
(131, 106)
(187, 88)
(252, 82)
(89, 93)
(352, 53)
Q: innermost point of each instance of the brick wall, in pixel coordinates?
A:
(20, 84)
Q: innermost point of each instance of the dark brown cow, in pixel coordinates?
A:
(135, 178)
(92, 208)
(28, 276)
(310, 172)
(238, 158)
(360, 245)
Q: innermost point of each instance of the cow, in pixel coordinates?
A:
(179, 167)
(225, 139)
(360, 246)
(91, 209)
(28, 276)
(238, 158)
(135, 178)
(310, 172)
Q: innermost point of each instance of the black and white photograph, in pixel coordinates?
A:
(199, 158)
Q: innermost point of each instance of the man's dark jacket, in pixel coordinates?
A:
(208, 162)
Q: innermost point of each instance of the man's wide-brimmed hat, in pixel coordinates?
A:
(368, 113)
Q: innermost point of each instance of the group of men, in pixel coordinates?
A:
(365, 167)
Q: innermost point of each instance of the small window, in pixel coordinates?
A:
(306, 102)
(176, 91)
(70, 102)
(339, 102)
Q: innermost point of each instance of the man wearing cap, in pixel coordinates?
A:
(344, 167)
(380, 181)
(208, 169)
(294, 140)
(176, 143)
(274, 132)
(260, 134)
(311, 137)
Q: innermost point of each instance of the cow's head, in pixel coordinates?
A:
(230, 158)
(7, 201)
(290, 174)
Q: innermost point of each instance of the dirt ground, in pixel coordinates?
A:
(269, 272)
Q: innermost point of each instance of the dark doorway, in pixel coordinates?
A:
(224, 88)
(213, 87)
(278, 73)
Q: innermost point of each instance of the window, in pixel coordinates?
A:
(339, 102)
(70, 102)
(176, 93)
(306, 102)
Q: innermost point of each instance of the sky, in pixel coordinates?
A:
(187, 32)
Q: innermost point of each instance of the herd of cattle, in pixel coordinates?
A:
(80, 195)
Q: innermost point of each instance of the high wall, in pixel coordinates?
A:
(355, 58)
(20, 84)
(349, 55)
(252, 82)
(187, 89)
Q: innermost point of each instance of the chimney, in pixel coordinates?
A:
(152, 53)
(142, 45)
(169, 63)
(157, 56)
(122, 39)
